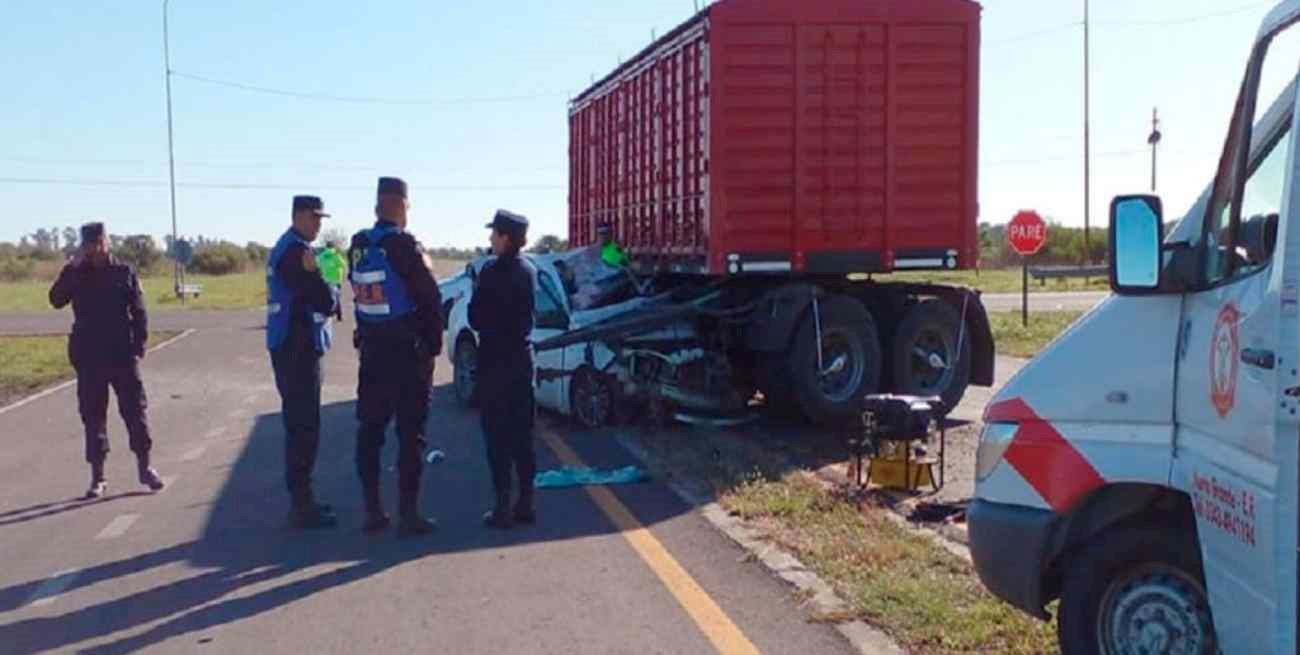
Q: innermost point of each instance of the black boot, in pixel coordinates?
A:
(411, 524)
(499, 517)
(376, 517)
(525, 510)
(306, 514)
(148, 476)
(98, 486)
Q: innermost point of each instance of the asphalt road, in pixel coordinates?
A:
(1074, 301)
(209, 566)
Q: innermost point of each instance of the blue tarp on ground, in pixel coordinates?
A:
(578, 477)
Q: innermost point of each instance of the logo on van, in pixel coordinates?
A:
(1224, 349)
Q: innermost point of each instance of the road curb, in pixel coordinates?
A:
(864, 638)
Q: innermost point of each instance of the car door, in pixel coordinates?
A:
(1236, 432)
(551, 318)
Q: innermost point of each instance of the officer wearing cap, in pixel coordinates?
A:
(501, 311)
(298, 333)
(109, 333)
(399, 332)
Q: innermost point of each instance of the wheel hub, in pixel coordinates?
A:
(844, 370)
(1161, 612)
(930, 356)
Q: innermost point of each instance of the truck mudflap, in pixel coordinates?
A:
(1010, 545)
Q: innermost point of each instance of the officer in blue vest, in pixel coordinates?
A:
(501, 311)
(298, 334)
(399, 333)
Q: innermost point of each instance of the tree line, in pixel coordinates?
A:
(39, 255)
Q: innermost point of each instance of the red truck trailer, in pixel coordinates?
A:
(779, 136)
(789, 150)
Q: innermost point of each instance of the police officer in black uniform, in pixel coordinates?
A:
(501, 311)
(109, 334)
(399, 333)
(298, 333)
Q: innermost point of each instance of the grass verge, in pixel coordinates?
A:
(927, 599)
(220, 292)
(1011, 337)
(1001, 280)
(29, 364)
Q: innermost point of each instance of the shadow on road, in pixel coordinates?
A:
(246, 547)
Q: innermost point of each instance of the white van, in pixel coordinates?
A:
(1143, 468)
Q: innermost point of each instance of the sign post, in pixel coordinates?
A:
(1026, 233)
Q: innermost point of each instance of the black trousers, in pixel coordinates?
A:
(298, 378)
(506, 400)
(395, 381)
(93, 381)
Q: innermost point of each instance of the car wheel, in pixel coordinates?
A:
(465, 371)
(593, 398)
(1136, 590)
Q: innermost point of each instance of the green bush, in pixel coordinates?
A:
(16, 269)
(139, 251)
(219, 259)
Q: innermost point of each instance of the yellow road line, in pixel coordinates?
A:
(712, 621)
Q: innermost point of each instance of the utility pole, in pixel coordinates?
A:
(1154, 140)
(1087, 143)
(171, 155)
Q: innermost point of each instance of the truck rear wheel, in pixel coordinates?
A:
(850, 363)
(926, 361)
(1136, 590)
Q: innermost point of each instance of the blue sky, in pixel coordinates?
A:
(85, 102)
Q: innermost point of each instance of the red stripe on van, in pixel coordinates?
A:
(1045, 458)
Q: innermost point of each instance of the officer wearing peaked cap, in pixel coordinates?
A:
(399, 328)
(298, 333)
(501, 311)
(108, 339)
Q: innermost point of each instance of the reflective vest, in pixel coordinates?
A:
(381, 294)
(332, 265)
(280, 302)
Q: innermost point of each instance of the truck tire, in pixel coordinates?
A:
(851, 357)
(773, 376)
(1132, 587)
(923, 353)
(464, 371)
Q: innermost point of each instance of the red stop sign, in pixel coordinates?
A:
(1027, 233)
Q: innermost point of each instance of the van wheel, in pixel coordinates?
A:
(592, 398)
(465, 371)
(1136, 590)
(850, 363)
(926, 361)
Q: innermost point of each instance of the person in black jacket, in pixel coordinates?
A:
(399, 332)
(300, 305)
(109, 333)
(501, 311)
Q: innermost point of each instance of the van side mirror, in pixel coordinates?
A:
(1136, 232)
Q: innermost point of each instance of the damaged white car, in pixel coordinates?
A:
(635, 350)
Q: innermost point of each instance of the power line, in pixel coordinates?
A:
(1186, 19)
(1032, 35)
(1041, 160)
(369, 100)
(291, 165)
(237, 186)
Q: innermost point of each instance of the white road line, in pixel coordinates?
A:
(60, 387)
(50, 590)
(117, 527)
(194, 454)
(213, 433)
